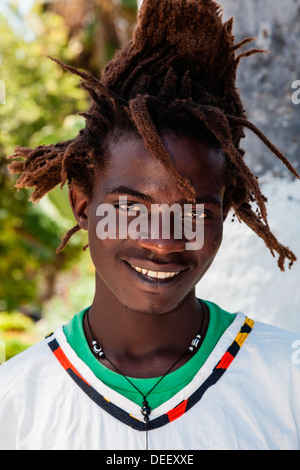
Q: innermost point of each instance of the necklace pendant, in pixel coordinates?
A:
(97, 349)
(146, 410)
(195, 343)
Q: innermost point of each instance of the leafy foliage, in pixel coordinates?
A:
(39, 96)
(41, 107)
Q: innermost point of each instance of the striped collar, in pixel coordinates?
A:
(129, 413)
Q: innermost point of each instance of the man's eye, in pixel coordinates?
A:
(131, 209)
(195, 214)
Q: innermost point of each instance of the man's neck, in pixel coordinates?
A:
(143, 344)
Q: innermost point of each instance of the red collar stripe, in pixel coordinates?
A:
(221, 367)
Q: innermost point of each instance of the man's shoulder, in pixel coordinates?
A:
(275, 346)
(266, 333)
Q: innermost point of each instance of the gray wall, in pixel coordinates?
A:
(265, 80)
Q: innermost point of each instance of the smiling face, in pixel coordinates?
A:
(154, 274)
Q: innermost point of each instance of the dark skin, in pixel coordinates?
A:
(144, 324)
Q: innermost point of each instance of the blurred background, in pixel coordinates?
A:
(39, 289)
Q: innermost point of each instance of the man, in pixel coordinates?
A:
(148, 365)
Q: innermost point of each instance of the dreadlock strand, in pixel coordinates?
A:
(186, 86)
(266, 141)
(91, 91)
(249, 53)
(242, 43)
(153, 143)
(150, 62)
(16, 167)
(67, 237)
(79, 162)
(218, 125)
(87, 78)
(246, 214)
(41, 169)
(169, 86)
(141, 83)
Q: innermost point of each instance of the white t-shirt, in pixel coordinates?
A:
(245, 396)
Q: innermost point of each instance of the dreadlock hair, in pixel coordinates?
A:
(177, 74)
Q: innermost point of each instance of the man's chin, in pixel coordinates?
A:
(160, 305)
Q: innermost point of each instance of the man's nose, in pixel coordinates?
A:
(162, 246)
(160, 241)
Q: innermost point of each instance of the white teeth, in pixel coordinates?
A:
(161, 275)
(155, 274)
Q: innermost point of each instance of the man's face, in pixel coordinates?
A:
(153, 274)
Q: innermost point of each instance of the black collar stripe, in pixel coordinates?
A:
(175, 412)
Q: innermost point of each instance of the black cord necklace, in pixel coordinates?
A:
(146, 410)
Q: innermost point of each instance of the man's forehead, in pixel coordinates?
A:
(131, 147)
(131, 165)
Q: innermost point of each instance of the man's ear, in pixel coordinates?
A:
(79, 205)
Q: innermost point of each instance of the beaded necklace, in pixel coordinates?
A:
(146, 410)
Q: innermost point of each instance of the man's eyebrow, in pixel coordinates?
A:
(131, 192)
(145, 197)
(203, 200)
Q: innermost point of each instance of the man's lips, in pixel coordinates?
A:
(156, 271)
